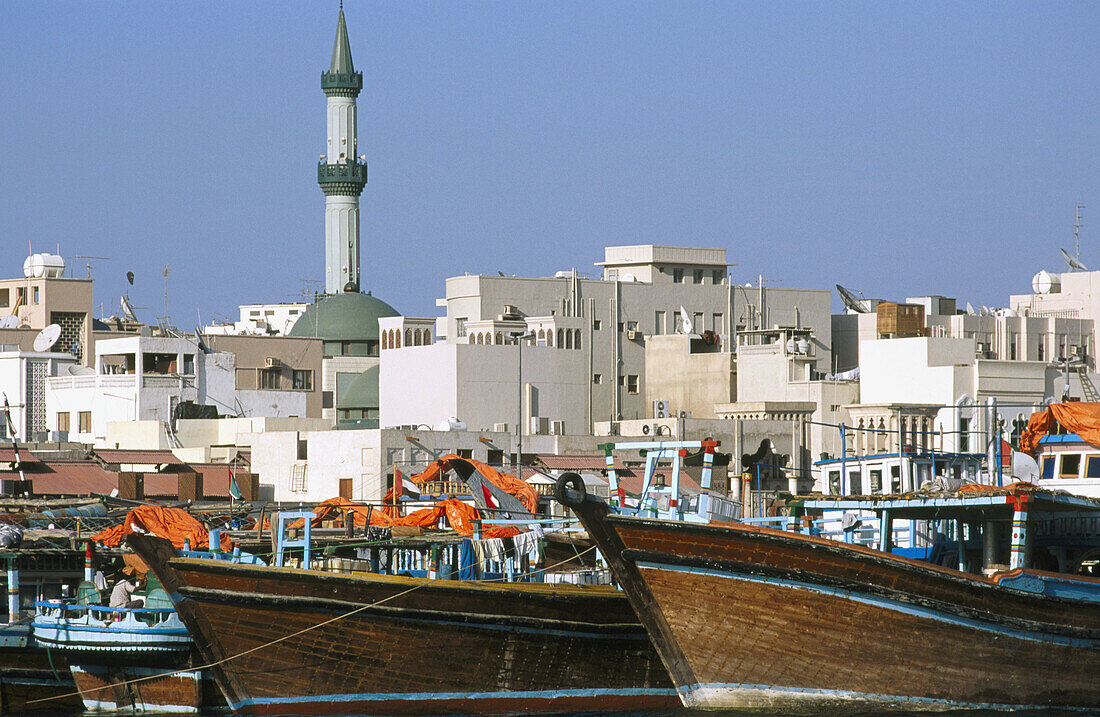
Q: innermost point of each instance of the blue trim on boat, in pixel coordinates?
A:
(422, 696)
(62, 627)
(894, 605)
(871, 696)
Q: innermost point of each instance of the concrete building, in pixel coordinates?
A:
(23, 378)
(260, 320)
(274, 375)
(45, 296)
(602, 326)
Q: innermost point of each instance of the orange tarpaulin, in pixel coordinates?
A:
(459, 516)
(508, 483)
(173, 524)
(1082, 419)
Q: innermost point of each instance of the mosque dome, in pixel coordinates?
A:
(362, 393)
(348, 323)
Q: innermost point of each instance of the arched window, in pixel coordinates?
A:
(408, 337)
(550, 337)
(576, 338)
(427, 337)
(397, 338)
(385, 340)
(542, 334)
(498, 339)
(561, 341)
(418, 337)
(568, 339)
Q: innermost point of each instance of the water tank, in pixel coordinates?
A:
(1046, 283)
(38, 266)
(803, 346)
(451, 424)
(792, 346)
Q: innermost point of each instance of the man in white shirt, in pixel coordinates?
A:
(124, 588)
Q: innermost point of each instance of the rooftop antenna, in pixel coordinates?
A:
(1074, 262)
(166, 295)
(88, 265)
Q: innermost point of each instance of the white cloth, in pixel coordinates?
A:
(99, 580)
(528, 544)
(494, 549)
(121, 594)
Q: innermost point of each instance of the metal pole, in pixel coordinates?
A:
(519, 407)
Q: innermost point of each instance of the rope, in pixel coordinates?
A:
(276, 641)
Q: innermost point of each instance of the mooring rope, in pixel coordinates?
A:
(284, 638)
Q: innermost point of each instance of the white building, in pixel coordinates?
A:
(23, 378)
(261, 320)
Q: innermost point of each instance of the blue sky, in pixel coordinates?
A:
(896, 148)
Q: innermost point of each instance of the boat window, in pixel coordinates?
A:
(1071, 465)
(855, 487)
(876, 481)
(1093, 467)
(1048, 467)
(895, 479)
(834, 482)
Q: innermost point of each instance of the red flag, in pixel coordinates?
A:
(489, 501)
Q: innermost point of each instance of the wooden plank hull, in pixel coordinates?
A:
(305, 642)
(748, 617)
(105, 688)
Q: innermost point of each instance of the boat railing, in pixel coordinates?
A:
(102, 616)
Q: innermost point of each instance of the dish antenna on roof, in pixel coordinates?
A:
(970, 310)
(686, 326)
(46, 338)
(852, 302)
(128, 310)
(199, 342)
(9, 322)
(78, 370)
(1072, 262)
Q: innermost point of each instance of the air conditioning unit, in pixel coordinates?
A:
(510, 312)
(660, 409)
(271, 362)
(651, 429)
(557, 428)
(500, 427)
(683, 414)
(633, 334)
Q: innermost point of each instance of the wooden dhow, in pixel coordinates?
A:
(750, 617)
(304, 642)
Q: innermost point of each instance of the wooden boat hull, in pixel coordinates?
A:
(302, 642)
(749, 617)
(131, 688)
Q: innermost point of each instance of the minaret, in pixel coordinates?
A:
(340, 173)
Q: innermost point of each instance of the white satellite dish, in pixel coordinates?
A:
(970, 310)
(1024, 466)
(128, 310)
(851, 301)
(686, 326)
(9, 322)
(78, 370)
(46, 338)
(1073, 263)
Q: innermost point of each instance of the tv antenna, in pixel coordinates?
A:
(851, 301)
(88, 264)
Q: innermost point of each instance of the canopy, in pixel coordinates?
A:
(174, 524)
(1082, 419)
(465, 467)
(459, 516)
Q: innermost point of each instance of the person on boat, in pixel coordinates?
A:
(123, 591)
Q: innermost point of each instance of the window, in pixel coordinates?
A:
(1048, 467)
(716, 323)
(964, 435)
(269, 378)
(834, 482)
(876, 480)
(327, 399)
(63, 421)
(303, 449)
(677, 276)
(460, 326)
(189, 364)
(34, 295)
(895, 479)
(855, 485)
(697, 276)
(5, 298)
(303, 379)
(495, 457)
(631, 325)
(1071, 465)
(632, 384)
(85, 419)
(254, 314)
(697, 322)
(718, 276)
(659, 322)
(1092, 467)
(597, 378)
(596, 324)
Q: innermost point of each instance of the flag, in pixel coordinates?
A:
(408, 488)
(490, 502)
(234, 489)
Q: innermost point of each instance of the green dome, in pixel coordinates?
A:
(350, 316)
(363, 392)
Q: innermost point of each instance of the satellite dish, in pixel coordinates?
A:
(1024, 466)
(983, 310)
(852, 302)
(627, 278)
(130, 277)
(1073, 263)
(78, 370)
(9, 322)
(686, 326)
(128, 310)
(970, 310)
(46, 338)
(200, 343)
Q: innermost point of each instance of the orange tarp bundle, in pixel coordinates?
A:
(508, 483)
(459, 516)
(173, 524)
(339, 506)
(1082, 419)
